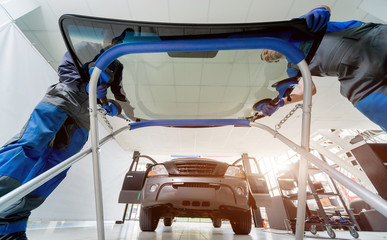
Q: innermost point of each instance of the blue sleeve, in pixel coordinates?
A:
(331, 27)
(337, 26)
(292, 72)
(67, 71)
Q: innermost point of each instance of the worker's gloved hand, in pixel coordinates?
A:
(267, 109)
(111, 108)
(101, 90)
(103, 77)
(317, 18)
(127, 108)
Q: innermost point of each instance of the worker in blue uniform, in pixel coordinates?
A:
(353, 51)
(56, 130)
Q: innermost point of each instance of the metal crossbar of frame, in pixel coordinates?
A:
(203, 45)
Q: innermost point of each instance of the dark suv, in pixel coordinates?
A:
(196, 187)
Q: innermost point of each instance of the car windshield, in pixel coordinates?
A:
(185, 85)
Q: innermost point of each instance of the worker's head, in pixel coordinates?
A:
(270, 56)
(110, 39)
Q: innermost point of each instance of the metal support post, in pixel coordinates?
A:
(95, 151)
(305, 138)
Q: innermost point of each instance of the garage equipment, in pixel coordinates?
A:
(192, 40)
(319, 219)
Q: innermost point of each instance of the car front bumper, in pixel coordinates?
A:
(196, 193)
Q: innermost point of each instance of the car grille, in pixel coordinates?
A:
(197, 185)
(196, 169)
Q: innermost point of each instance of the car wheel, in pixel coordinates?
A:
(149, 219)
(168, 221)
(353, 232)
(331, 233)
(313, 229)
(217, 222)
(241, 223)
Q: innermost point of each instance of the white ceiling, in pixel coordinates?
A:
(330, 110)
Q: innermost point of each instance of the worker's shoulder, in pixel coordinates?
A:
(333, 26)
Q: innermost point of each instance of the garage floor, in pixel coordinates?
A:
(61, 230)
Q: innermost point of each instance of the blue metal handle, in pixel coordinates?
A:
(190, 122)
(290, 51)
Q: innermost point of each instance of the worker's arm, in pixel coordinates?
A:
(317, 18)
(298, 92)
(323, 6)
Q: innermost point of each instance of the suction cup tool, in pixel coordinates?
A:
(259, 104)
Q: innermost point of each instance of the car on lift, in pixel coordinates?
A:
(195, 188)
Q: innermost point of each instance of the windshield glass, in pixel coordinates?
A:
(184, 85)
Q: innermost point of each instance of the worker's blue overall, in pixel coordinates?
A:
(57, 129)
(356, 53)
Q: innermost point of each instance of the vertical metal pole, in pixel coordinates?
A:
(305, 138)
(124, 215)
(95, 151)
(131, 210)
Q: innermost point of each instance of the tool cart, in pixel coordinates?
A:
(320, 195)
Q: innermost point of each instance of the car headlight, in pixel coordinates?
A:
(233, 171)
(158, 170)
(239, 190)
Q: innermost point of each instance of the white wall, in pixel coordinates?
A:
(24, 78)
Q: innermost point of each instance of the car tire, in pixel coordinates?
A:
(241, 223)
(217, 222)
(149, 219)
(168, 221)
